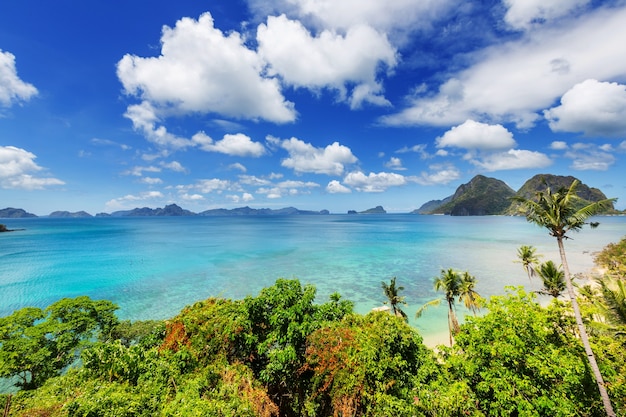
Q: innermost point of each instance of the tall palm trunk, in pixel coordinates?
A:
(453, 323)
(583, 333)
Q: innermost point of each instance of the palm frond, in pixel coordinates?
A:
(423, 308)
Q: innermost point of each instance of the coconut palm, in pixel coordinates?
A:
(561, 212)
(471, 299)
(553, 279)
(528, 258)
(393, 296)
(450, 283)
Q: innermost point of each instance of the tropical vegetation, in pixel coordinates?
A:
(561, 212)
(284, 353)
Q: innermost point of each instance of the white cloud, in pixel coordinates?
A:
(253, 180)
(289, 187)
(511, 82)
(374, 182)
(524, 14)
(396, 16)
(592, 107)
(419, 149)
(475, 135)
(173, 166)
(12, 88)
(304, 157)
(151, 180)
(439, 174)
(395, 164)
(139, 170)
(133, 200)
(589, 157)
(191, 197)
(237, 166)
(202, 70)
(16, 166)
(237, 145)
(558, 145)
(207, 186)
(512, 159)
(329, 60)
(145, 120)
(335, 187)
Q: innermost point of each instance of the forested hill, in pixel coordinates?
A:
(481, 196)
(490, 196)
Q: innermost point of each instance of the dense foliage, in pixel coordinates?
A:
(613, 258)
(281, 354)
(37, 344)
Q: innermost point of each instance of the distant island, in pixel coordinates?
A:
(482, 196)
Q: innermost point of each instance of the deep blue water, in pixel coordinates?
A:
(152, 267)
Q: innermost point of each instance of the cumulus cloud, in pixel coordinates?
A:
(439, 174)
(395, 164)
(397, 16)
(558, 145)
(329, 60)
(202, 70)
(206, 186)
(145, 120)
(16, 168)
(475, 135)
(512, 159)
(374, 182)
(592, 107)
(513, 81)
(304, 157)
(237, 145)
(590, 157)
(12, 88)
(245, 198)
(173, 166)
(335, 187)
(524, 14)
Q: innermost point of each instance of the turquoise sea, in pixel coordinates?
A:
(154, 266)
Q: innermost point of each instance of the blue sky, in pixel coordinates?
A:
(316, 104)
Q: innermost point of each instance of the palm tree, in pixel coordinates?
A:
(472, 300)
(613, 305)
(393, 296)
(528, 258)
(560, 212)
(553, 279)
(450, 283)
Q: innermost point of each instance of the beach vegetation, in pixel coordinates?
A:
(281, 353)
(37, 344)
(392, 292)
(561, 212)
(528, 257)
(455, 285)
(553, 279)
(613, 259)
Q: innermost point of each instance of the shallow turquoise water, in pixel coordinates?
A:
(152, 267)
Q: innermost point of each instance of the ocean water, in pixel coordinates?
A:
(154, 266)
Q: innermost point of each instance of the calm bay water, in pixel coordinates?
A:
(152, 267)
